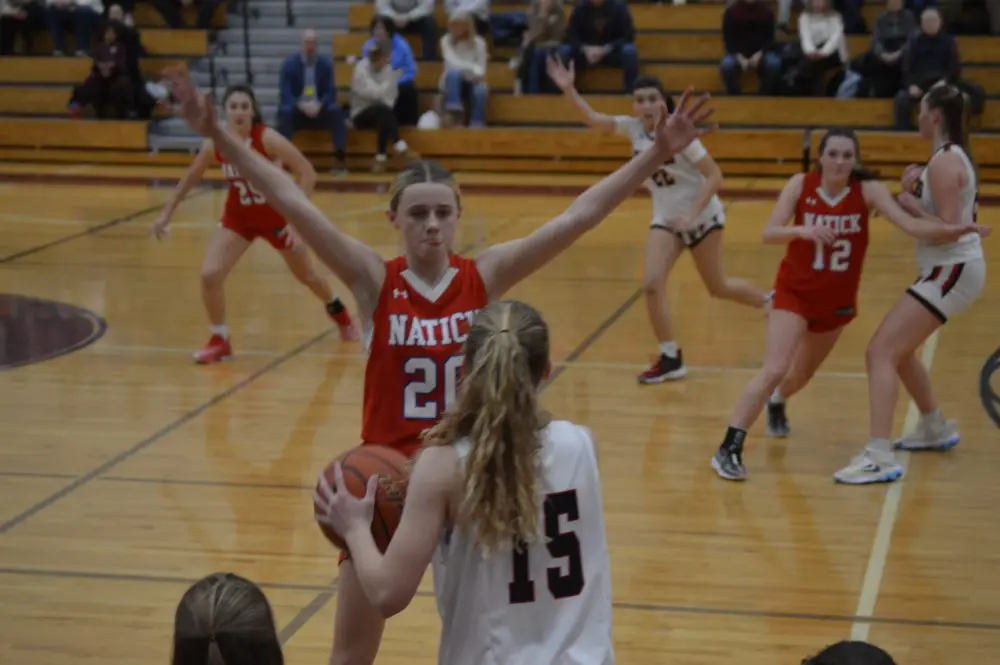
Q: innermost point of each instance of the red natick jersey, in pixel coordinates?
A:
(245, 207)
(827, 274)
(415, 350)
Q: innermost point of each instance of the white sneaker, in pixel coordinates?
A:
(930, 436)
(870, 467)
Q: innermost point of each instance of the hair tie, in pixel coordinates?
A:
(503, 330)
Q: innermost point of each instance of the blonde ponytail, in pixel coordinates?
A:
(506, 357)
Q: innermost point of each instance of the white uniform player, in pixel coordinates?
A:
(675, 187)
(549, 604)
(952, 275)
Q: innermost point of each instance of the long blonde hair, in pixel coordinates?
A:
(225, 619)
(506, 357)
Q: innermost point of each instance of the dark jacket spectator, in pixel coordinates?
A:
(928, 58)
(748, 35)
(881, 68)
(108, 88)
(19, 17)
(602, 32)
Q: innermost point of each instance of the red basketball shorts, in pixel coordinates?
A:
(410, 449)
(274, 232)
(821, 316)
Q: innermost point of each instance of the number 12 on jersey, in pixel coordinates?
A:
(425, 377)
(560, 545)
(840, 256)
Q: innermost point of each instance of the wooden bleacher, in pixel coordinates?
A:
(680, 44)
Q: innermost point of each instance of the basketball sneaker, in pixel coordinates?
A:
(728, 463)
(871, 466)
(217, 350)
(930, 434)
(664, 368)
(342, 317)
(777, 420)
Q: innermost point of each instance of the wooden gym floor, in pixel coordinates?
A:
(127, 472)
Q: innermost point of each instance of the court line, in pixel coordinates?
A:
(331, 589)
(872, 583)
(309, 611)
(159, 434)
(93, 229)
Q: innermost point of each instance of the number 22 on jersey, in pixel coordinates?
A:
(431, 385)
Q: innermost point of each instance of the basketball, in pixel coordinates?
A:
(392, 468)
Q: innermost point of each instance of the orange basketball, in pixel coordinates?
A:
(393, 469)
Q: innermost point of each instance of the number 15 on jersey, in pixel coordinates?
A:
(431, 386)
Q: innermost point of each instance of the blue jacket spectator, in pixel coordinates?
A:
(308, 97)
(407, 106)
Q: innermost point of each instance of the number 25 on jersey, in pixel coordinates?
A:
(430, 390)
(248, 195)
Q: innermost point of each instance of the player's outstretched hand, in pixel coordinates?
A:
(197, 109)
(676, 130)
(340, 509)
(560, 74)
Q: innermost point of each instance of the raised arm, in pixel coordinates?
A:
(504, 265)
(390, 580)
(563, 77)
(353, 262)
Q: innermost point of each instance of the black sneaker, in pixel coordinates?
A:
(777, 420)
(728, 463)
(664, 368)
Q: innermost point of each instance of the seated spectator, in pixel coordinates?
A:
(83, 15)
(224, 618)
(464, 75)
(107, 89)
(602, 32)
(407, 108)
(373, 94)
(308, 98)
(143, 102)
(821, 47)
(748, 34)
(546, 29)
(930, 57)
(881, 68)
(412, 17)
(479, 10)
(19, 17)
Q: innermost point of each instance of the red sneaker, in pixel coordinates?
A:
(664, 368)
(217, 350)
(348, 331)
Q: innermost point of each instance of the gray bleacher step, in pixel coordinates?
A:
(272, 35)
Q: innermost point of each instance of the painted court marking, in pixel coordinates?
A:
(872, 583)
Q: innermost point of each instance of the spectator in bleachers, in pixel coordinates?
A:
(129, 36)
(479, 10)
(224, 618)
(930, 57)
(18, 17)
(821, 47)
(373, 94)
(83, 15)
(170, 10)
(107, 89)
(308, 97)
(407, 108)
(601, 32)
(546, 30)
(748, 34)
(881, 67)
(412, 17)
(464, 75)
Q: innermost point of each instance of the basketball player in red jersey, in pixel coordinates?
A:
(417, 307)
(816, 289)
(246, 217)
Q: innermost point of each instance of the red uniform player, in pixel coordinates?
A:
(415, 350)
(816, 291)
(248, 216)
